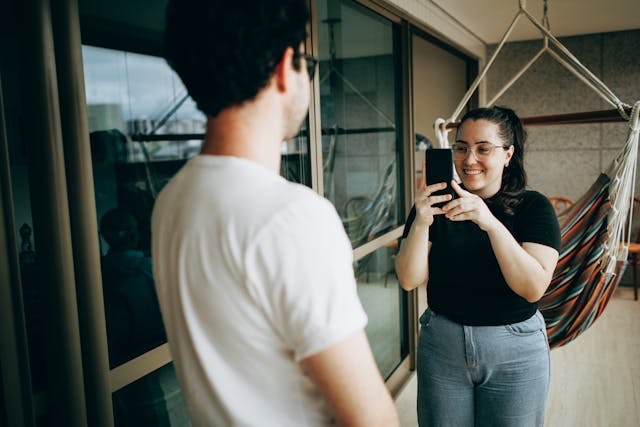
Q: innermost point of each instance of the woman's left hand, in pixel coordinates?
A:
(469, 207)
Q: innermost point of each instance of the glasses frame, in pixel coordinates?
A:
(473, 150)
(310, 60)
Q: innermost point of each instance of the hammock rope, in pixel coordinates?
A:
(596, 230)
(570, 62)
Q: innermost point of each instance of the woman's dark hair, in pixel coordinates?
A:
(512, 133)
(225, 51)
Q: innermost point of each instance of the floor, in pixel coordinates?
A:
(595, 380)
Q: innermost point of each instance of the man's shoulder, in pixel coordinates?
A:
(299, 205)
(244, 199)
(300, 215)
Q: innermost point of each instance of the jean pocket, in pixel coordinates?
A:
(531, 326)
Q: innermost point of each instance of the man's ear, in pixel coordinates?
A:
(284, 70)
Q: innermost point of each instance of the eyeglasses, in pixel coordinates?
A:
(481, 151)
(310, 60)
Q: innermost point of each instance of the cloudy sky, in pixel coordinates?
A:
(144, 86)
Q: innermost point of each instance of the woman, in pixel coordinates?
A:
(487, 257)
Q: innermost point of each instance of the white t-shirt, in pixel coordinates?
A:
(254, 274)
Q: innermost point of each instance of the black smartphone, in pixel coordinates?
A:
(440, 169)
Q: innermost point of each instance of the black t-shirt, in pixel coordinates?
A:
(465, 281)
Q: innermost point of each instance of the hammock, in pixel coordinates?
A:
(596, 230)
(593, 249)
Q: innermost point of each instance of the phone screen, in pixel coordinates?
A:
(440, 169)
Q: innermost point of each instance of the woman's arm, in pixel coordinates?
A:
(412, 266)
(527, 269)
(412, 262)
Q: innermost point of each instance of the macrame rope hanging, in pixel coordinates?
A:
(570, 62)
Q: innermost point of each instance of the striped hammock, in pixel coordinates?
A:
(595, 233)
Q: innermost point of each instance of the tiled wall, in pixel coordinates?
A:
(565, 160)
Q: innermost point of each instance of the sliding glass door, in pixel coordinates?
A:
(362, 152)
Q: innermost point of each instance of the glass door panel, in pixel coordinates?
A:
(143, 128)
(153, 400)
(361, 118)
(361, 121)
(386, 307)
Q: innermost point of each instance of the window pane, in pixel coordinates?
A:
(295, 161)
(153, 400)
(384, 302)
(33, 283)
(143, 128)
(361, 119)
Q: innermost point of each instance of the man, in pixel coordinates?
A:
(134, 324)
(254, 273)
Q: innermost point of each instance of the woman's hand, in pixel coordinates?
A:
(469, 207)
(425, 201)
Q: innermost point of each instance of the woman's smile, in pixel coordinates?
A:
(472, 171)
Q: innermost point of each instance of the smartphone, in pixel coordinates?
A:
(440, 169)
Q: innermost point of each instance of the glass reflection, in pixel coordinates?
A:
(295, 162)
(359, 101)
(34, 301)
(134, 322)
(142, 98)
(153, 400)
(143, 128)
(384, 302)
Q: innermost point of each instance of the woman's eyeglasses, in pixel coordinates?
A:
(310, 60)
(481, 151)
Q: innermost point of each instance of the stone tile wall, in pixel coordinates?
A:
(565, 160)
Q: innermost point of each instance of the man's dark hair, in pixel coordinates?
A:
(225, 51)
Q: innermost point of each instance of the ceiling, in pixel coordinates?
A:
(489, 19)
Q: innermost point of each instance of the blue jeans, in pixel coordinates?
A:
(490, 376)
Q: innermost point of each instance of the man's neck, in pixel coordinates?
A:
(251, 131)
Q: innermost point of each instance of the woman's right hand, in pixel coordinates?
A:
(425, 201)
